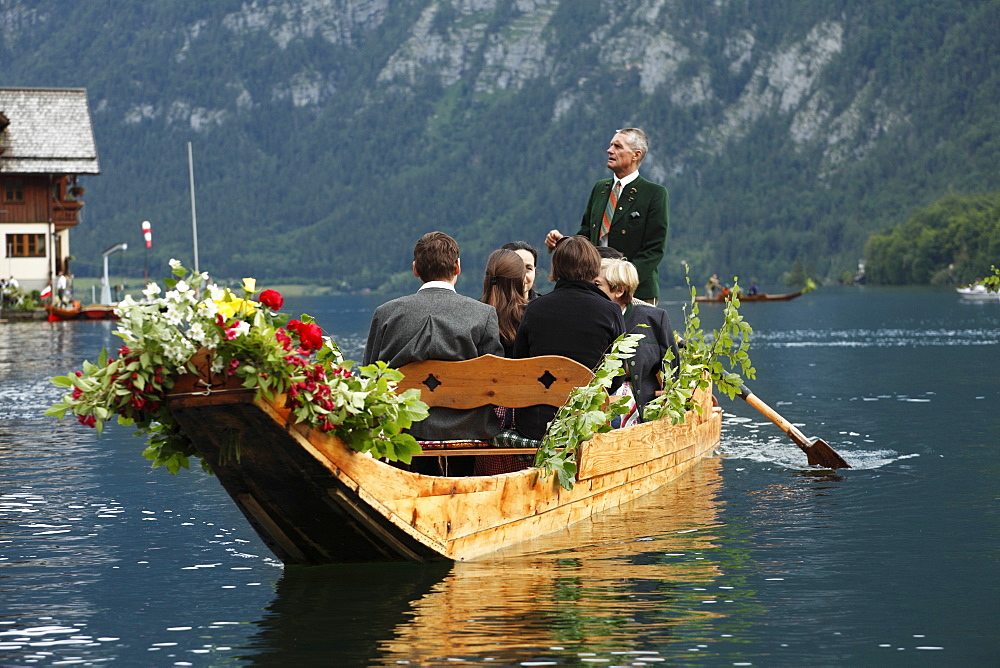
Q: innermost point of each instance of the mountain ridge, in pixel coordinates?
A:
(329, 134)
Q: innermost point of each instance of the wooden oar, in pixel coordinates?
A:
(818, 452)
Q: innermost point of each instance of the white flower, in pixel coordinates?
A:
(174, 263)
(173, 316)
(208, 309)
(240, 328)
(182, 287)
(151, 290)
(197, 332)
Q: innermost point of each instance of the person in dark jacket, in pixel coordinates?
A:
(575, 320)
(644, 371)
(437, 323)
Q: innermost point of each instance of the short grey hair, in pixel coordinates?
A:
(637, 140)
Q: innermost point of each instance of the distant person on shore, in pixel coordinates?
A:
(437, 323)
(61, 287)
(627, 212)
(529, 254)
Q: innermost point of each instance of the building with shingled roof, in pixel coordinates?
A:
(46, 143)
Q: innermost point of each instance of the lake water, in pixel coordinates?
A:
(754, 559)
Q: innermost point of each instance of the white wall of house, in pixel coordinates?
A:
(32, 273)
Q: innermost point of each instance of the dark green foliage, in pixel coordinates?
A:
(955, 240)
(309, 167)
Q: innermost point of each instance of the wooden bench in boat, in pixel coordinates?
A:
(497, 381)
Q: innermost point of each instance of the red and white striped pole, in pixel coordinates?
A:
(147, 234)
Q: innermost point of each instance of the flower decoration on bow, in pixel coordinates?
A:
(257, 348)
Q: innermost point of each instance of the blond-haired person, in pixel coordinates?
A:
(618, 280)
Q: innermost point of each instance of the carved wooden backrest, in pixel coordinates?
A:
(514, 383)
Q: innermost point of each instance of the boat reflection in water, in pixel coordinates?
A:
(626, 574)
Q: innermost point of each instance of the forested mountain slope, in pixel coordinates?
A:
(329, 134)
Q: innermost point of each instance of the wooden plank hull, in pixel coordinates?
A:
(760, 297)
(98, 312)
(71, 312)
(313, 500)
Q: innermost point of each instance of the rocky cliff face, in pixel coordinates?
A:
(647, 49)
(746, 102)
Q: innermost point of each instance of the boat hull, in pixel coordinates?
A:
(761, 297)
(313, 500)
(98, 312)
(71, 312)
(979, 293)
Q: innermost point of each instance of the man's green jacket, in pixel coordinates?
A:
(638, 230)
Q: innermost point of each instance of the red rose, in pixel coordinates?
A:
(272, 299)
(310, 335)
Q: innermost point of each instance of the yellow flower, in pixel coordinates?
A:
(232, 306)
(250, 285)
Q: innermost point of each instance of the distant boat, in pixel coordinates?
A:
(59, 312)
(759, 297)
(979, 293)
(98, 312)
(77, 312)
(103, 311)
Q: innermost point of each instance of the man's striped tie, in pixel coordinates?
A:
(609, 210)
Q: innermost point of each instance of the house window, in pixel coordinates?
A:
(25, 245)
(13, 190)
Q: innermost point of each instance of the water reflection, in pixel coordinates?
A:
(103, 560)
(634, 574)
(640, 573)
(337, 615)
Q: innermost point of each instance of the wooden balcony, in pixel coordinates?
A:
(65, 213)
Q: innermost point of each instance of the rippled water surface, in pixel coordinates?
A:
(753, 559)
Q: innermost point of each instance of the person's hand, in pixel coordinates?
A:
(552, 238)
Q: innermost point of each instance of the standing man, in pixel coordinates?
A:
(61, 286)
(437, 323)
(628, 213)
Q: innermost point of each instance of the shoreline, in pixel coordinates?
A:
(11, 315)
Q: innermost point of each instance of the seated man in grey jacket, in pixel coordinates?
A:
(437, 323)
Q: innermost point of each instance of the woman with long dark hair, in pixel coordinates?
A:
(503, 289)
(529, 254)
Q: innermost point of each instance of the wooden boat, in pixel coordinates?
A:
(78, 312)
(759, 297)
(71, 312)
(313, 500)
(98, 312)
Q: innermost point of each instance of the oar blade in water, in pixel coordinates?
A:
(819, 453)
